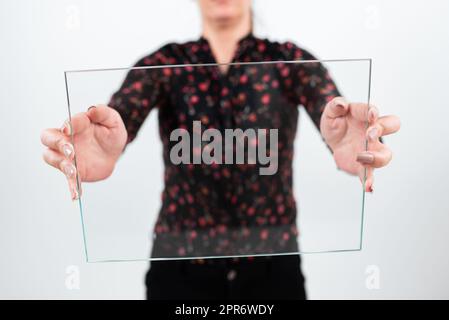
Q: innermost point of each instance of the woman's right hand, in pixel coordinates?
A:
(99, 136)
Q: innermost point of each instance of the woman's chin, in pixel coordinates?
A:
(224, 19)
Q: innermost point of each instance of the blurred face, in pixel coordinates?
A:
(224, 11)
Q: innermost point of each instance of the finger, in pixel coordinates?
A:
(77, 124)
(53, 158)
(369, 181)
(69, 169)
(374, 132)
(56, 140)
(373, 114)
(58, 161)
(103, 115)
(389, 124)
(337, 107)
(75, 192)
(363, 112)
(366, 177)
(382, 127)
(375, 159)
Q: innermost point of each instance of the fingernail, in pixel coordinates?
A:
(372, 134)
(69, 170)
(365, 158)
(372, 114)
(66, 128)
(90, 108)
(67, 149)
(75, 194)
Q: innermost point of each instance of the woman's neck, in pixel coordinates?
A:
(223, 38)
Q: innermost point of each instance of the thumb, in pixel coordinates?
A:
(336, 108)
(103, 115)
(366, 176)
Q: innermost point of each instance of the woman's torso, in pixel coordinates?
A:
(230, 209)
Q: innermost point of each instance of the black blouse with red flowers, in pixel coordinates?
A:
(222, 209)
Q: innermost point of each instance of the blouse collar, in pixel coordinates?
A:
(243, 44)
(247, 38)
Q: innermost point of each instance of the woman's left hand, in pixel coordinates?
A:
(344, 128)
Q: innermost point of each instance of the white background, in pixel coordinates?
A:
(406, 238)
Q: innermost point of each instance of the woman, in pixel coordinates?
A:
(102, 132)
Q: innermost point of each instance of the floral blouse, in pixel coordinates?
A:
(223, 209)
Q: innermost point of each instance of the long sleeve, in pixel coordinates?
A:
(141, 91)
(312, 86)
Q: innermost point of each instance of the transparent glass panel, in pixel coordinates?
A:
(224, 160)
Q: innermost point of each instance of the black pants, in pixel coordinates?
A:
(277, 277)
